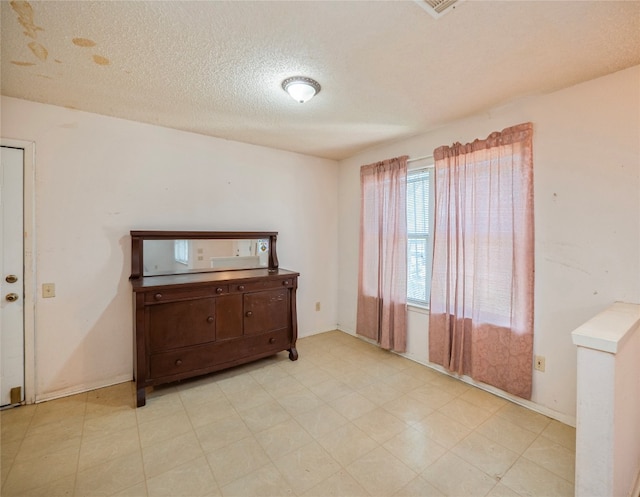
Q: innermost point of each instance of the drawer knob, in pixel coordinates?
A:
(210, 319)
(272, 340)
(241, 287)
(285, 282)
(218, 290)
(179, 362)
(158, 296)
(249, 314)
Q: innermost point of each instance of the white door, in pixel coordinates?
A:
(12, 274)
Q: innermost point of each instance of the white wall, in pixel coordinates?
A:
(98, 177)
(587, 216)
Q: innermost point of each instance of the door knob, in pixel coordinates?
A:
(12, 297)
(12, 278)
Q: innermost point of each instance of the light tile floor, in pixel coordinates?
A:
(347, 419)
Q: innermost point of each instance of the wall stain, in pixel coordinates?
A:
(25, 18)
(44, 76)
(19, 63)
(101, 61)
(58, 61)
(38, 50)
(84, 42)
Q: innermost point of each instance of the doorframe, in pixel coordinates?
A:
(30, 290)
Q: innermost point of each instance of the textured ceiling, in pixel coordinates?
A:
(388, 70)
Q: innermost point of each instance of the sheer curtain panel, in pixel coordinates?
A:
(481, 321)
(382, 277)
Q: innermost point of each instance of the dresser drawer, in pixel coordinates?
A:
(208, 356)
(181, 361)
(262, 285)
(273, 341)
(187, 293)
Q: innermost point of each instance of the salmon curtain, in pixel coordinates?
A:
(382, 276)
(481, 319)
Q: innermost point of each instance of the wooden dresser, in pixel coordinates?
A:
(197, 322)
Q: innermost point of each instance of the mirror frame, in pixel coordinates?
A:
(138, 238)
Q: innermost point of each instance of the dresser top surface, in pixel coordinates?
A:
(145, 283)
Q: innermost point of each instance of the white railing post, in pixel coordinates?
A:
(608, 403)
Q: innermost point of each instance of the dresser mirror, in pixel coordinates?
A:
(156, 253)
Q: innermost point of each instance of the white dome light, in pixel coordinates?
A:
(300, 88)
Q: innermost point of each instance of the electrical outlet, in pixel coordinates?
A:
(317, 306)
(539, 363)
(48, 290)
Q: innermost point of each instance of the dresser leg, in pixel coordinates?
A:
(141, 397)
(293, 354)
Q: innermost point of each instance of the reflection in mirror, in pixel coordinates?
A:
(202, 255)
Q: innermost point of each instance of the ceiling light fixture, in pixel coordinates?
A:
(300, 88)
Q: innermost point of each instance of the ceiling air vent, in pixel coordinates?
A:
(437, 8)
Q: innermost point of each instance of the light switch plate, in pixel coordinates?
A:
(48, 290)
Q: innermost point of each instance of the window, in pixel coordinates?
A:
(181, 251)
(419, 235)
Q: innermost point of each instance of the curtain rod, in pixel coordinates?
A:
(420, 158)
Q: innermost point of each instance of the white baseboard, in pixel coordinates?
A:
(77, 389)
(316, 332)
(83, 388)
(87, 387)
(563, 418)
(550, 413)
